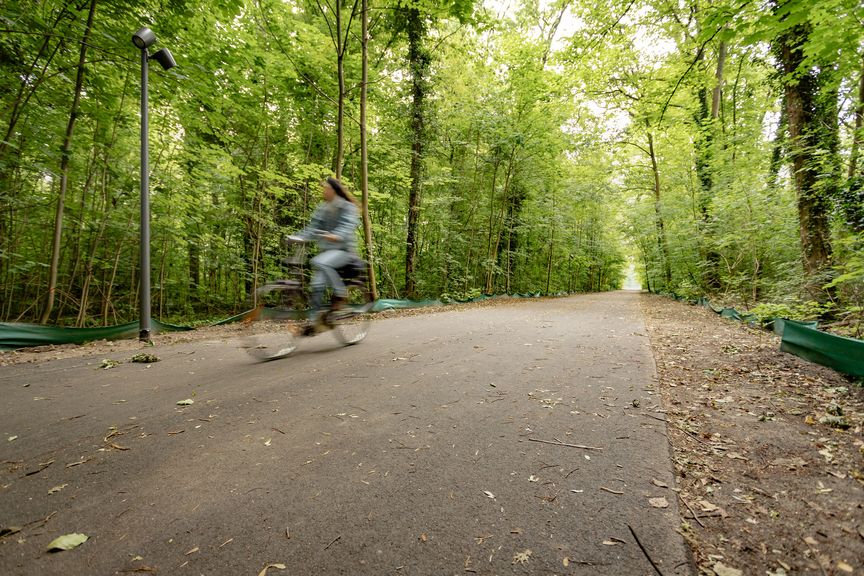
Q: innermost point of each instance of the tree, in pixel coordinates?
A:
(64, 166)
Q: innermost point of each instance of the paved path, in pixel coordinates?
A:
(412, 453)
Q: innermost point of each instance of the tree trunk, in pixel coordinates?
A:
(708, 120)
(551, 246)
(808, 105)
(852, 202)
(418, 59)
(64, 167)
(661, 229)
(340, 72)
(364, 158)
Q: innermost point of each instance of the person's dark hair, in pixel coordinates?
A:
(340, 190)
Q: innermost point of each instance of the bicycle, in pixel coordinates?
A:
(286, 301)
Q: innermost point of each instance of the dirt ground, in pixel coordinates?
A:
(768, 449)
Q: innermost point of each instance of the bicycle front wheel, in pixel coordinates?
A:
(351, 323)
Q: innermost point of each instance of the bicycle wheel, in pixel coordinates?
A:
(282, 304)
(351, 323)
(272, 346)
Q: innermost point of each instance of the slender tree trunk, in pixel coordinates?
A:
(717, 93)
(418, 59)
(852, 201)
(364, 157)
(661, 230)
(106, 303)
(857, 136)
(64, 167)
(708, 121)
(340, 116)
(778, 144)
(551, 246)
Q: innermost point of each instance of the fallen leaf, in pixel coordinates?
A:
(722, 570)
(12, 438)
(791, 463)
(845, 567)
(57, 488)
(566, 561)
(707, 506)
(268, 566)
(521, 557)
(193, 550)
(186, 402)
(533, 478)
(107, 364)
(737, 456)
(423, 537)
(144, 358)
(489, 494)
(610, 543)
(658, 502)
(267, 443)
(67, 542)
(659, 483)
(811, 541)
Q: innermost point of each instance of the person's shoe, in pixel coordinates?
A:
(310, 329)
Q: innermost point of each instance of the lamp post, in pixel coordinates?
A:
(143, 39)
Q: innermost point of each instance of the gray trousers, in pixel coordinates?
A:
(326, 265)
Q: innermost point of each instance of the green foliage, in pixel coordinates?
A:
(552, 156)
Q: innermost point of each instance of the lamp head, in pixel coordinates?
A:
(144, 38)
(164, 58)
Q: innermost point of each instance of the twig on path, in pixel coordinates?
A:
(559, 443)
(667, 421)
(644, 551)
(695, 517)
(610, 490)
(655, 417)
(42, 466)
(332, 542)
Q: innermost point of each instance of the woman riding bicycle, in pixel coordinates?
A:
(333, 226)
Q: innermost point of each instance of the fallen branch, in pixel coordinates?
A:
(564, 444)
(332, 542)
(610, 490)
(677, 426)
(644, 551)
(695, 517)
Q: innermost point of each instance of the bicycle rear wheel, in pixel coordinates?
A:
(272, 346)
(351, 323)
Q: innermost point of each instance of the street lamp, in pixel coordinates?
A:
(143, 39)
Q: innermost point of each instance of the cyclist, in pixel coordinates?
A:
(333, 225)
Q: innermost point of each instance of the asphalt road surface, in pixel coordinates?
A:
(520, 438)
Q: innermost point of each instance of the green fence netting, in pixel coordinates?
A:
(802, 339)
(19, 335)
(15, 335)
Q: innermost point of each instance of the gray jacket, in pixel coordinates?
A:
(338, 217)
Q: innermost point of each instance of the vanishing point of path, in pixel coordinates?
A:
(430, 448)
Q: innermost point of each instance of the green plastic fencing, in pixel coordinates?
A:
(843, 354)
(19, 335)
(803, 339)
(15, 335)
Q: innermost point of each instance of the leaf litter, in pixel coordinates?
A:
(755, 445)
